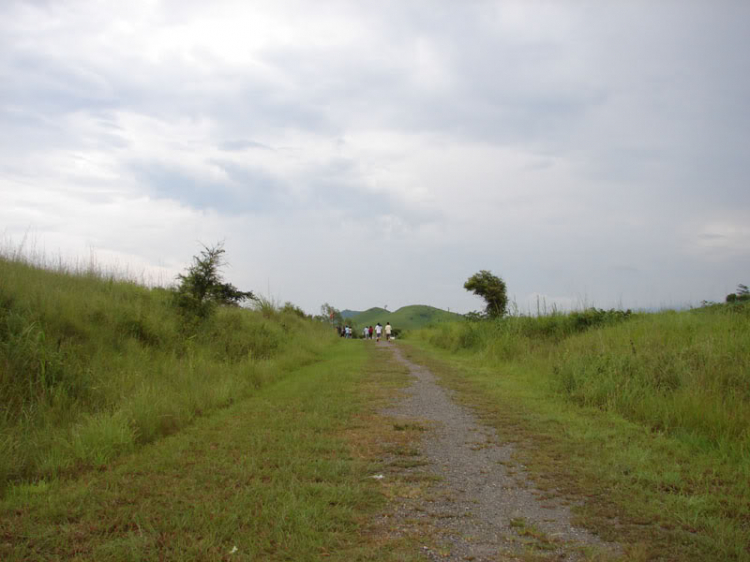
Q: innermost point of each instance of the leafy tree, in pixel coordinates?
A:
(201, 288)
(742, 294)
(492, 289)
(331, 314)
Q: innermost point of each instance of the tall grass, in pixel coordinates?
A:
(647, 416)
(685, 373)
(92, 366)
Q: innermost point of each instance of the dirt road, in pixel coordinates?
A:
(480, 505)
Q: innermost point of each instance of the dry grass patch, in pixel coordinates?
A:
(391, 446)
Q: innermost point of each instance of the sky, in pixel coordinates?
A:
(366, 154)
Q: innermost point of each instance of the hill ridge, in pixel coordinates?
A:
(406, 317)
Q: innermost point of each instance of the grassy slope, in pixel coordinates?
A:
(647, 417)
(280, 475)
(91, 368)
(405, 318)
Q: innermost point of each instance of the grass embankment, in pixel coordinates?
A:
(92, 367)
(647, 416)
(282, 475)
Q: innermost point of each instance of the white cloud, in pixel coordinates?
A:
(722, 239)
(357, 153)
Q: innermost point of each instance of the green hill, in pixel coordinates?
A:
(370, 317)
(92, 367)
(349, 313)
(405, 318)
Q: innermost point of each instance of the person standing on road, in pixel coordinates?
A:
(369, 330)
(388, 331)
(378, 331)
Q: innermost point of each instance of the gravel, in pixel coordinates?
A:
(481, 505)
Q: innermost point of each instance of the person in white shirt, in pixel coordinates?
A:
(378, 331)
(387, 331)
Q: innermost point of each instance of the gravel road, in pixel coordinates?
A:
(480, 505)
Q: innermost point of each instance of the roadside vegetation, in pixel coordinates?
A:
(219, 431)
(92, 366)
(647, 415)
(284, 474)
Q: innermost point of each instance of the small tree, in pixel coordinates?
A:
(331, 314)
(201, 287)
(492, 289)
(742, 294)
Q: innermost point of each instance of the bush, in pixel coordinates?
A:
(742, 294)
(476, 333)
(290, 308)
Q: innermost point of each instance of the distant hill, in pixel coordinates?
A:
(405, 318)
(349, 313)
(370, 317)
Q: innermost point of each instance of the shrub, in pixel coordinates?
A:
(290, 308)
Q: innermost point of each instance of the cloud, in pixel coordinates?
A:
(227, 188)
(358, 153)
(232, 145)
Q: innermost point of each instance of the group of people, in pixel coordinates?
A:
(369, 332)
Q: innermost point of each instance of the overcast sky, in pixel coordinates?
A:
(379, 153)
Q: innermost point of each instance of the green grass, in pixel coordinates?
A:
(92, 367)
(281, 475)
(645, 417)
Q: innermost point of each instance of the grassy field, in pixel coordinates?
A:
(284, 474)
(92, 367)
(130, 431)
(647, 416)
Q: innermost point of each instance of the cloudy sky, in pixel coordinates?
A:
(379, 153)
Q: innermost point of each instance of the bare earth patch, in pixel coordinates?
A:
(458, 484)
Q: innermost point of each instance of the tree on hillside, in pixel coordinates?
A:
(201, 288)
(742, 294)
(331, 315)
(492, 289)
